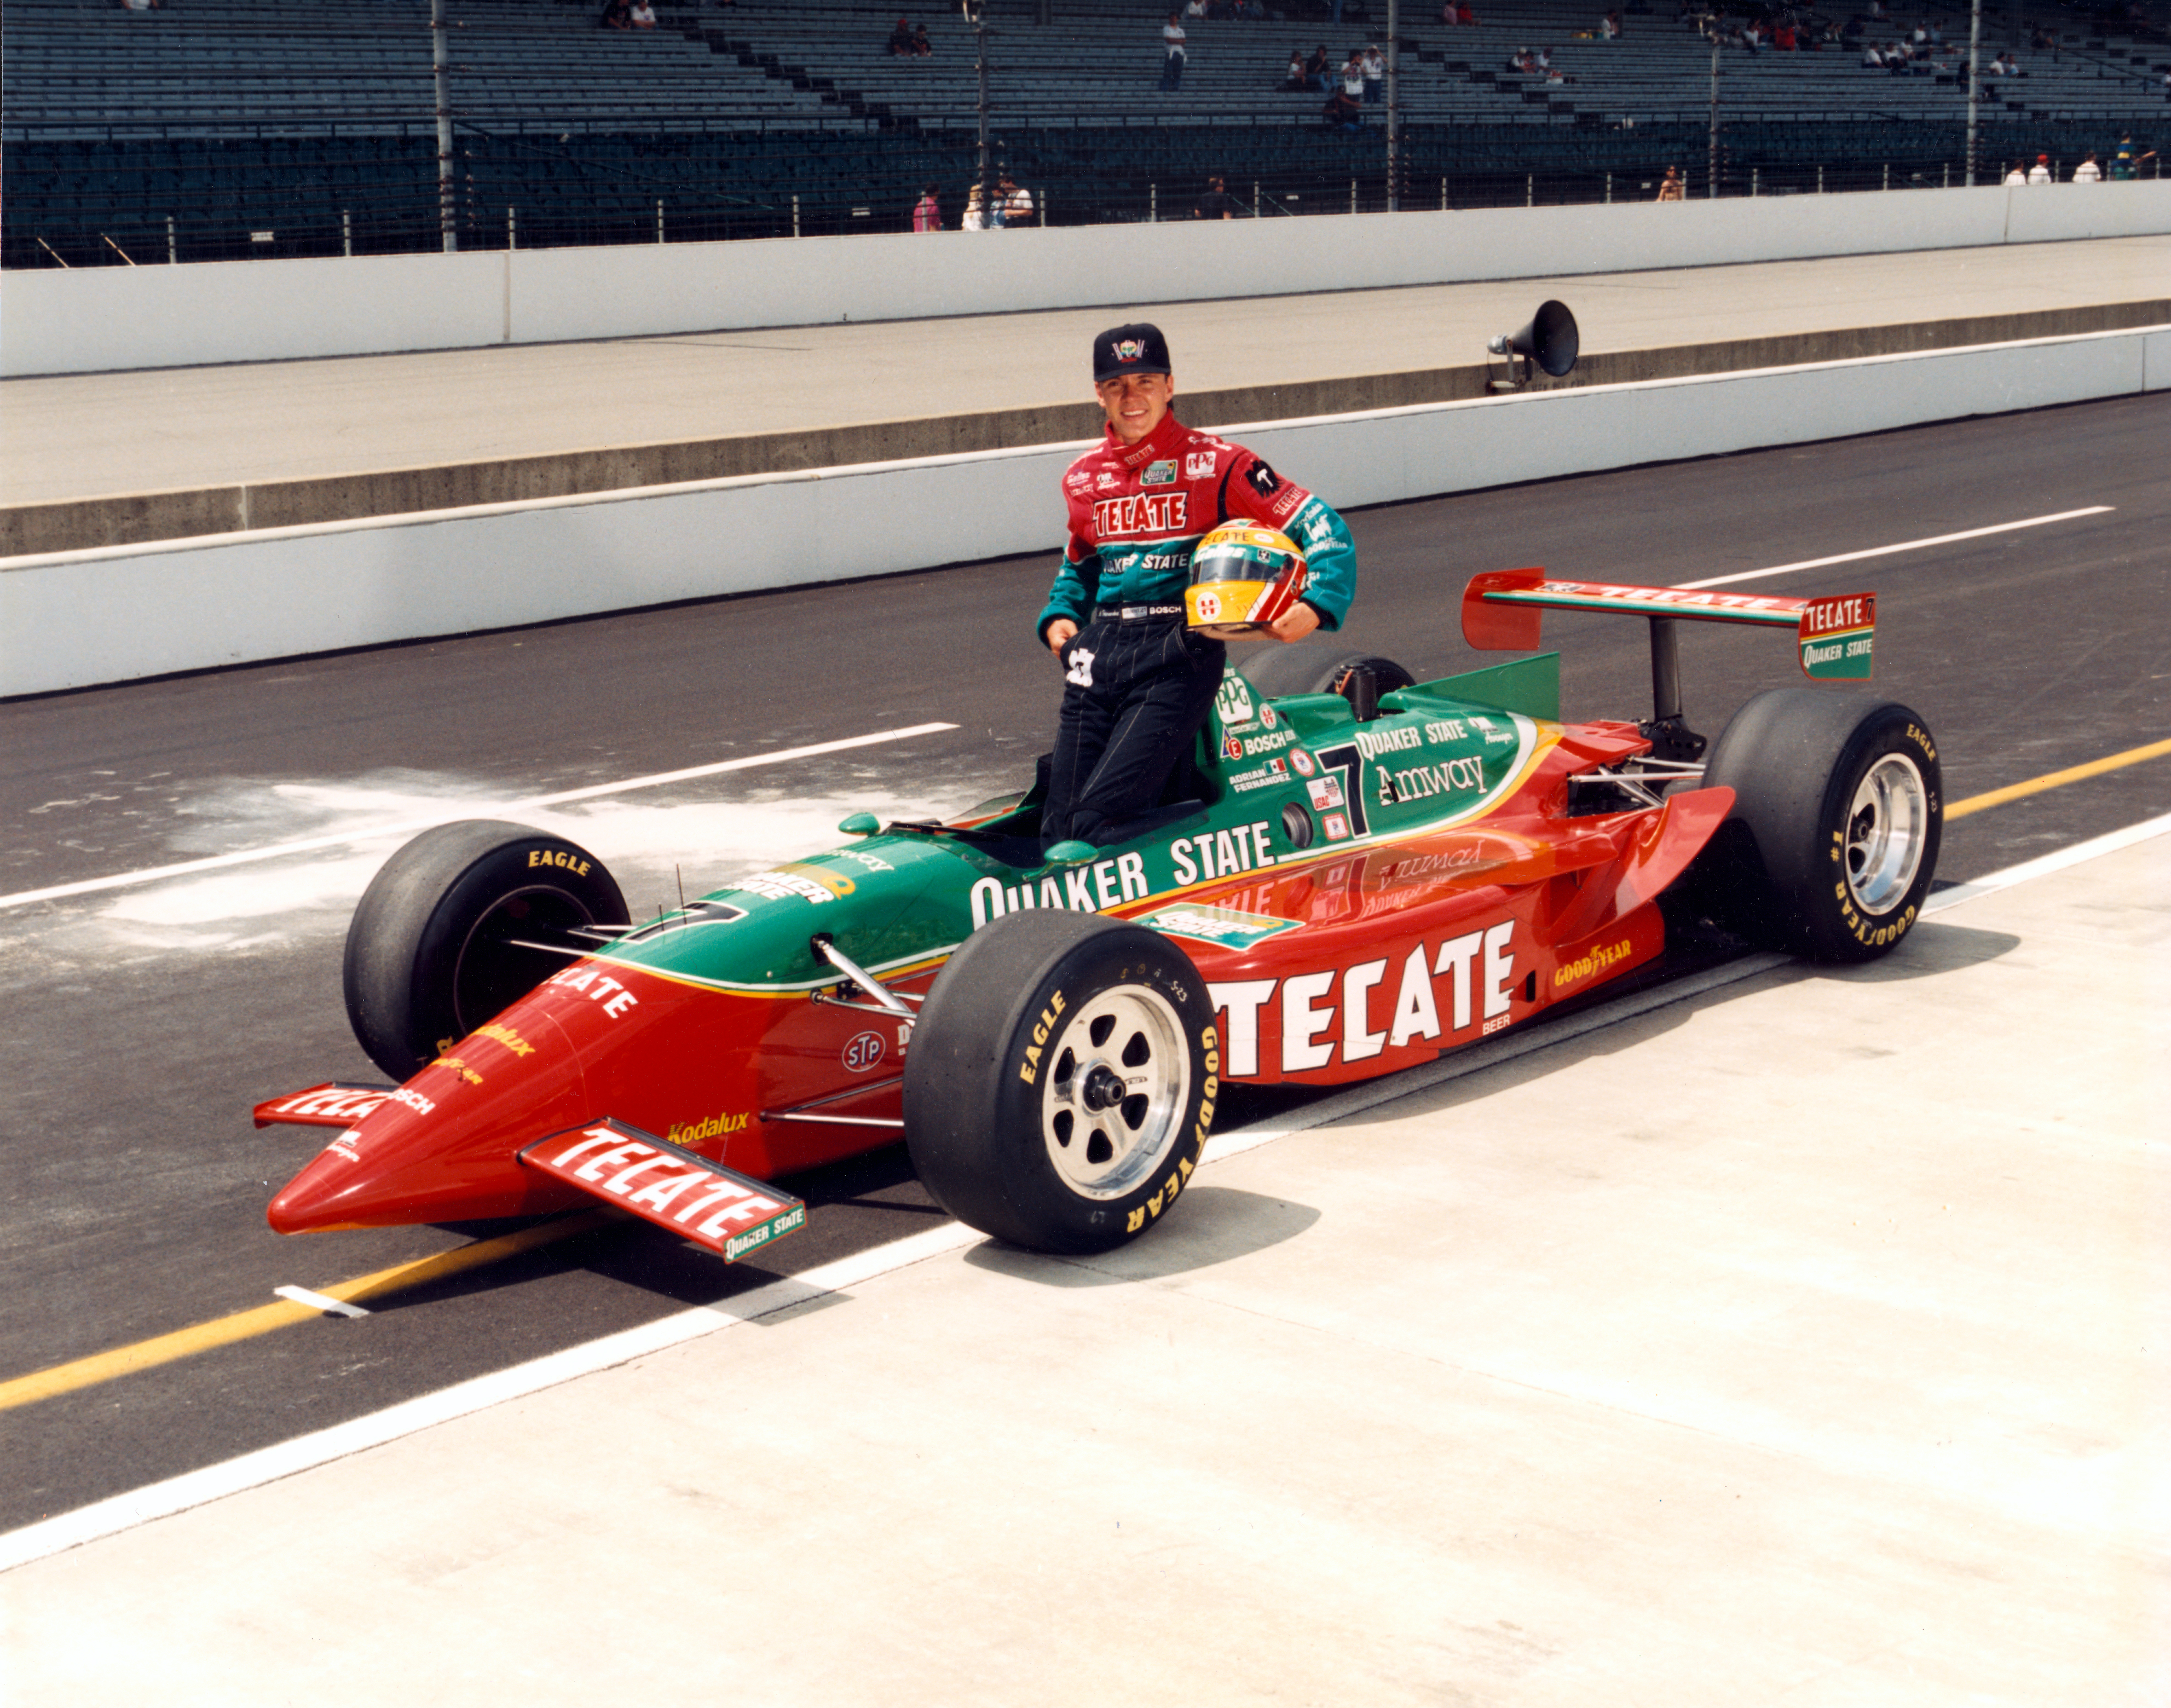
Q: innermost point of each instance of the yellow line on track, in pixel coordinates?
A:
(246, 1325)
(222, 1331)
(2056, 780)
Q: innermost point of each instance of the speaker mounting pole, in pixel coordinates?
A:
(1974, 87)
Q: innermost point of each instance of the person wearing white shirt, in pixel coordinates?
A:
(2018, 175)
(2040, 172)
(2088, 172)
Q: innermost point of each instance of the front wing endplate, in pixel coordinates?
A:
(718, 1208)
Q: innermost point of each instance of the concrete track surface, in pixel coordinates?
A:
(1800, 1342)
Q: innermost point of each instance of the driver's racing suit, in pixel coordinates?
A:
(1138, 681)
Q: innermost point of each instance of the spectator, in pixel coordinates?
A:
(1872, 60)
(1374, 64)
(2123, 165)
(1195, 8)
(1609, 26)
(137, 5)
(2088, 172)
(2018, 177)
(922, 48)
(1316, 69)
(618, 15)
(900, 41)
(1670, 187)
(2040, 173)
(1172, 67)
(1298, 80)
(1353, 76)
(643, 16)
(1342, 113)
(1016, 202)
(927, 212)
(1218, 203)
(976, 217)
(1783, 38)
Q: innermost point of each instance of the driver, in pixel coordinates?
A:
(1138, 681)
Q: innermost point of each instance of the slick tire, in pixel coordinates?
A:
(1061, 1080)
(430, 953)
(1838, 811)
(1276, 670)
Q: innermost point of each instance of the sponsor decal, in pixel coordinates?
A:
(1198, 465)
(1161, 473)
(413, 1099)
(332, 1104)
(710, 1127)
(1317, 530)
(1279, 508)
(1151, 513)
(1448, 777)
(601, 987)
(1080, 673)
(873, 862)
(1443, 730)
(836, 883)
(863, 1051)
(1043, 1029)
(718, 1208)
(1108, 481)
(1838, 636)
(1128, 349)
(1083, 889)
(1591, 962)
(1232, 747)
(505, 1035)
(1302, 761)
(1263, 480)
(783, 883)
(1271, 742)
(1223, 853)
(1233, 703)
(343, 1145)
(1325, 792)
(1371, 743)
(1462, 985)
(1336, 826)
(1209, 607)
(1270, 716)
(1229, 926)
(1264, 777)
(560, 857)
(459, 1067)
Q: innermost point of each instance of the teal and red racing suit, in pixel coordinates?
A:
(1136, 510)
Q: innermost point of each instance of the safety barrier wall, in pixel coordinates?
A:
(71, 619)
(96, 319)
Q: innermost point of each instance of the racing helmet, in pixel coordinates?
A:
(1243, 577)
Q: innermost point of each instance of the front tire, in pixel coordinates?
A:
(1061, 1080)
(431, 955)
(1838, 812)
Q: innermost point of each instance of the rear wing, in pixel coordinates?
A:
(1502, 611)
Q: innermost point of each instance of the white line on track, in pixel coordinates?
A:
(1905, 545)
(320, 1301)
(124, 1511)
(150, 875)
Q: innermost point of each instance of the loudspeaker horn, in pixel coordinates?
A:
(1550, 339)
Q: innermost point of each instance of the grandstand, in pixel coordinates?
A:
(222, 128)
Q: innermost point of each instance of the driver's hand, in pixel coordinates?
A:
(1060, 631)
(1294, 624)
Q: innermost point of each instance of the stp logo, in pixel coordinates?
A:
(863, 1052)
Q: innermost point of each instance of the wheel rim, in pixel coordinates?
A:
(1116, 1095)
(492, 972)
(1887, 827)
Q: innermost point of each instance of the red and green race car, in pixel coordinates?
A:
(1352, 874)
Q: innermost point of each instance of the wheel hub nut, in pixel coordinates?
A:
(1103, 1089)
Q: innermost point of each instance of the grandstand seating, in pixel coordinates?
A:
(224, 127)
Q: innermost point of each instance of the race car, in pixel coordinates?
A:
(1352, 874)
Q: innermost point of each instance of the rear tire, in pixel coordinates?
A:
(1838, 812)
(1279, 669)
(430, 956)
(1061, 1080)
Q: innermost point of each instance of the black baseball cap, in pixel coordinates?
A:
(1134, 349)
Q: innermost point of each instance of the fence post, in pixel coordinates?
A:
(512, 231)
(1888, 174)
(1443, 195)
(1352, 195)
(1041, 203)
(1255, 198)
(1820, 178)
(1153, 204)
(659, 219)
(173, 253)
(1609, 186)
(1531, 190)
(346, 232)
(1755, 180)
(1948, 184)
(795, 216)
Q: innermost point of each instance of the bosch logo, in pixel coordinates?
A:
(863, 1052)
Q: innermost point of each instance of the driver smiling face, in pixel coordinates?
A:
(1135, 403)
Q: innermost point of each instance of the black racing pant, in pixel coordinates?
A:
(1136, 693)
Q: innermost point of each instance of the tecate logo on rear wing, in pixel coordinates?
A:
(718, 1208)
(1502, 611)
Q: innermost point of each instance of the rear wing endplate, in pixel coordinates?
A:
(1504, 609)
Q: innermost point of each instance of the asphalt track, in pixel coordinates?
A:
(142, 1023)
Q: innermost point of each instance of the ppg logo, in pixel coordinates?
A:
(863, 1052)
